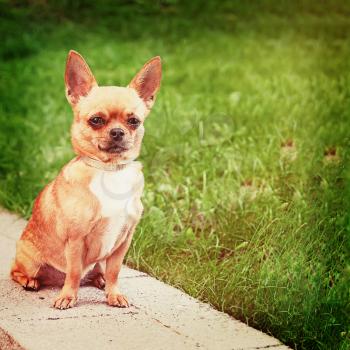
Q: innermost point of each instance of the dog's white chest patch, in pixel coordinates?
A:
(118, 193)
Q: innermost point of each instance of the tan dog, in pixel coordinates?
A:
(86, 217)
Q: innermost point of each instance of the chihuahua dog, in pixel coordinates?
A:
(85, 218)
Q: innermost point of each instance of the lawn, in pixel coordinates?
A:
(246, 153)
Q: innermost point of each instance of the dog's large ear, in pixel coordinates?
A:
(78, 77)
(147, 80)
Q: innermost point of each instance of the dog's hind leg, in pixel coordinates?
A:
(26, 265)
(98, 275)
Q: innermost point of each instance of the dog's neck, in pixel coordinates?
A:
(107, 166)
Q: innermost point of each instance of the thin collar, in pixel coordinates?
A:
(98, 164)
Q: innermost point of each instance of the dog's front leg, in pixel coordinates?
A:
(68, 295)
(113, 266)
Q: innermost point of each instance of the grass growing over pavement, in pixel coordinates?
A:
(245, 155)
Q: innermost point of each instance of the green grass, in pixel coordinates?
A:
(243, 209)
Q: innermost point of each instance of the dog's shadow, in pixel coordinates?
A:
(49, 277)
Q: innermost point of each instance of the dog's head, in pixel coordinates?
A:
(108, 120)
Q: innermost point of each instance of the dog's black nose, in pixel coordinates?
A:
(116, 134)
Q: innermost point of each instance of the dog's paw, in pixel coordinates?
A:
(28, 283)
(118, 300)
(65, 301)
(31, 284)
(99, 282)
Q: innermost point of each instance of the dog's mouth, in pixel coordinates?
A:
(114, 148)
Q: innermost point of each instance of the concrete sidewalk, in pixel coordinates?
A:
(161, 317)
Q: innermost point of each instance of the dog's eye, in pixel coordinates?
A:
(134, 122)
(97, 121)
